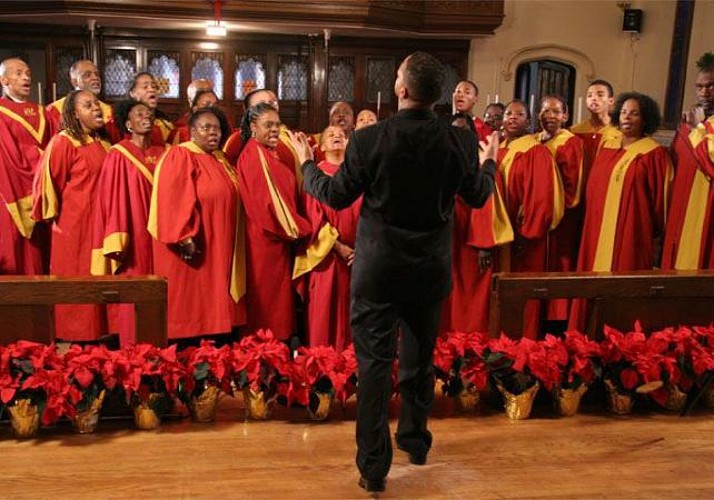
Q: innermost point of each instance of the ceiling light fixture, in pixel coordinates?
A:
(216, 27)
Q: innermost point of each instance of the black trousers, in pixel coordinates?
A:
(375, 329)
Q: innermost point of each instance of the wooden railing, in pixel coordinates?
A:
(656, 298)
(26, 303)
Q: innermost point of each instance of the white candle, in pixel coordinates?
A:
(54, 91)
(488, 99)
(39, 93)
(580, 109)
(379, 103)
(531, 105)
(453, 106)
(496, 99)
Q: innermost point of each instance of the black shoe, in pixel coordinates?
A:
(414, 458)
(372, 485)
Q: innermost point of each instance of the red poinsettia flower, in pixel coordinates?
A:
(259, 360)
(583, 355)
(205, 365)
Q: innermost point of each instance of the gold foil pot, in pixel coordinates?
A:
(567, 401)
(468, 399)
(257, 406)
(518, 406)
(145, 418)
(24, 419)
(323, 407)
(203, 408)
(676, 399)
(620, 404)
(85, 422)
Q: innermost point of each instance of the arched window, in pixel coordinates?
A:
(536, 79)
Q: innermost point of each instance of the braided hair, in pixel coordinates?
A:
(69, 121)
(250, 116)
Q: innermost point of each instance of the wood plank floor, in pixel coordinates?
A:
(592, 455)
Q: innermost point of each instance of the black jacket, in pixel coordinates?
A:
(409, 169)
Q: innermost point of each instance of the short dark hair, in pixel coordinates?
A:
(522, 103)
(706, 62)
(199, 93)
(473, 84)
(649, 110)
(121, 113)
(222, 120)
(499, 105)
(424, 77)
(604, 83)
(558, 98)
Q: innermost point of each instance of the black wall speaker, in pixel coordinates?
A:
(632, 21)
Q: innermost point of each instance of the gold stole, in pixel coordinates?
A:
(36, 134)
(689, 245)
(285, 139)
(285, 218)
(556, 142)
(606, 239)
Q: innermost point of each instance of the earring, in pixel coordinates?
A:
(128, 129)
(252, 134)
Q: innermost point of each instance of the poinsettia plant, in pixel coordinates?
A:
(147, 371)
(260, 362)
(629, 363)
(35, 372)
(205, 366)
(675, 350)
(583, 365)
(90, 369)
(459, 362)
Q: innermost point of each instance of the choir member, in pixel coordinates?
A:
(202, 99)
(83, 75)
(465, 97)
(533, 195)
(195, 219)
(626, 196)
(122, 245)
(269, 194)
(194, 87)
(64, 193)
(493, 116)
(329, 256)
(689, 235)
(365, 118)
(24, 133)
(567, 150)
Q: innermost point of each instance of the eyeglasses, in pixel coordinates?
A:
(208, 127)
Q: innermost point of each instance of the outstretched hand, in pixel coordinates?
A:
(489, 147)
(301, 146)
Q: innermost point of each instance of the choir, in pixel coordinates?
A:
(89, 191)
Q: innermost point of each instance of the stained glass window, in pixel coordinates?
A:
(250, 74)
(165, 68)
(341, 79)
(119, 69)
(292, 78)
(451, 80)
(380, 78)
(66, 56)
(208, 65)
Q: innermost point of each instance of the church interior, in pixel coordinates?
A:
(313, 56)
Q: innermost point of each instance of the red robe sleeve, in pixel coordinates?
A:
(569, 159)
(174, 214)
(52, 176)
(231, 148)
(15, 182)
(659, 180)
(535, 193)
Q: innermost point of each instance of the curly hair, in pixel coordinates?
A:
(121, 113)
(70, 122)
(649, 111)
(220, 116)
(706, 62)
(250, 116)
(424, 77)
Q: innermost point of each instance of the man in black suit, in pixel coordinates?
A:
(409, 169)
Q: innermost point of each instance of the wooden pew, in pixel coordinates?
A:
(656, 298)
(26, 303)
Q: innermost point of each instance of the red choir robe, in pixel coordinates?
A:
(563, 241)
(64, 193)
(328, 281)
(121, 241)
(689, 235)
(54, 114)
(24, 134)
(159, 133)
(179, 125)
(627, 204)
(269, 193)
(195, 195)
(285, 151)
(593, 139)
(534, 199)
(483, 129)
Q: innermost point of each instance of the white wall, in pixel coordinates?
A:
(586, 34)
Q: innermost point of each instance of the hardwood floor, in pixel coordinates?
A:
(592, 455)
